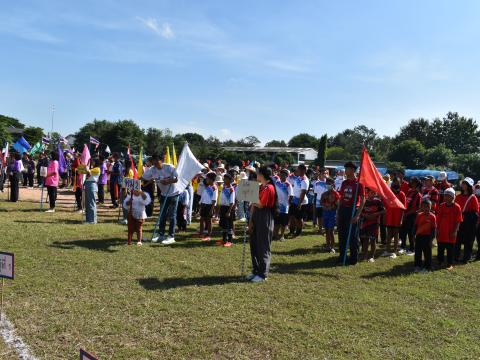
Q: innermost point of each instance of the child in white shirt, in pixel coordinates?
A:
(136, 213)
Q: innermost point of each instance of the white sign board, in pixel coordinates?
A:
(7, 265)
(248, 191)
(43, 171)
(131, 184)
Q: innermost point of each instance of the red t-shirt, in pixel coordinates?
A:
(347, 192)
(448, 217)
(267, 195)
(394, 216)
(372, 206)
(472, 205)
(405, 187)
(329, 200)
(433, 195)
(414, 199)
(425, 223)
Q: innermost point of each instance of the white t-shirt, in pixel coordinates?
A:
(301, 183)
(284, 191)
(338, 182)
(138, 206)
(166, 172)
(319, 188)
(209, 194)
(227, 196)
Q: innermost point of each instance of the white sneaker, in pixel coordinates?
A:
(257, 279)
(242, 220)
(282, 238)
(155, 239)
(139, 243)
(50, 211)
(393, 256)
(249, 277)
(401, 252)
(371, 260)
(123, 222)
(332, 251)
(168, 241)
(410, 253)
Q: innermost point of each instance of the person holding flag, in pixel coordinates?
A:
(165, 175)
(115, 179)
(14, 173)
(351, 203)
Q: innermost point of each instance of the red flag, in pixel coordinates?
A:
(135, 173)
(371, 178)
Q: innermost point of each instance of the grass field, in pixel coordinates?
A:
(80, 286)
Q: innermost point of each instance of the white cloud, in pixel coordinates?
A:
(164, 30)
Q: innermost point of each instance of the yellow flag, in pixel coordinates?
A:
(140, 164)
(167, 156)
(174, 154)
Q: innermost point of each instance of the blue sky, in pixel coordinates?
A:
(236, 68)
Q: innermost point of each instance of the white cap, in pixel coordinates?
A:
(221, 166)
(219, 179)
(450, 191)
(243, 176)
(442, 176)
(469, 181)
(206, 165)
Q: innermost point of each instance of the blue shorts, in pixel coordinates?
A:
(329, 219)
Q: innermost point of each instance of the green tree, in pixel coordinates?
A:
(10, 121)
(337, 153)
(4, 135)
(283, 159)
(322, 151)
(303, 140)
(468, 165)
(416, 129)
(33, 134)
(276, 143)
(439, 155)
(157, 140)
(99, 129)
(411, 153)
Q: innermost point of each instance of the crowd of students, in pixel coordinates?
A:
(434, 215)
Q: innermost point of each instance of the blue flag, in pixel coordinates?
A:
(21, 145)
(62, 164)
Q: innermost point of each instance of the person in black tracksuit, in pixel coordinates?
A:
(414, 200)
(468, 227)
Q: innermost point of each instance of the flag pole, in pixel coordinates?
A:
(354, 208)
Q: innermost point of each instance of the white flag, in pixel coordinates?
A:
(107, 150)
(187, 167)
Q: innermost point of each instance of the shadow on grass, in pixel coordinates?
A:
(173, 283)
(397, 270)
(307, 267)
(300, 251)
(57, 221)
(105, 245)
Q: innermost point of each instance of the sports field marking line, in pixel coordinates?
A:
(10, 337)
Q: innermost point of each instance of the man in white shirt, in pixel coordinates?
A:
(165, 176)
(299, 201)
(319, 188)
(339, 179)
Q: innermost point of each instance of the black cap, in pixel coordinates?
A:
(350, 165)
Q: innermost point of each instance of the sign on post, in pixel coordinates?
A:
(7, 265)
(86, 356)
(131, 184)
(247, 190)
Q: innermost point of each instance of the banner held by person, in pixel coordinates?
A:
(372, 179)
(7, 271)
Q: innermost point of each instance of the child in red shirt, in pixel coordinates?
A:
(466, 233)
(370, 223)
(426, 224)
(449, 217)
(413, 201)
(393, 220)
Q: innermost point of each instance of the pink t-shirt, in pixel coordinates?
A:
(52, 168)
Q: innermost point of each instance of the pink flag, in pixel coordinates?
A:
(85, 157)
